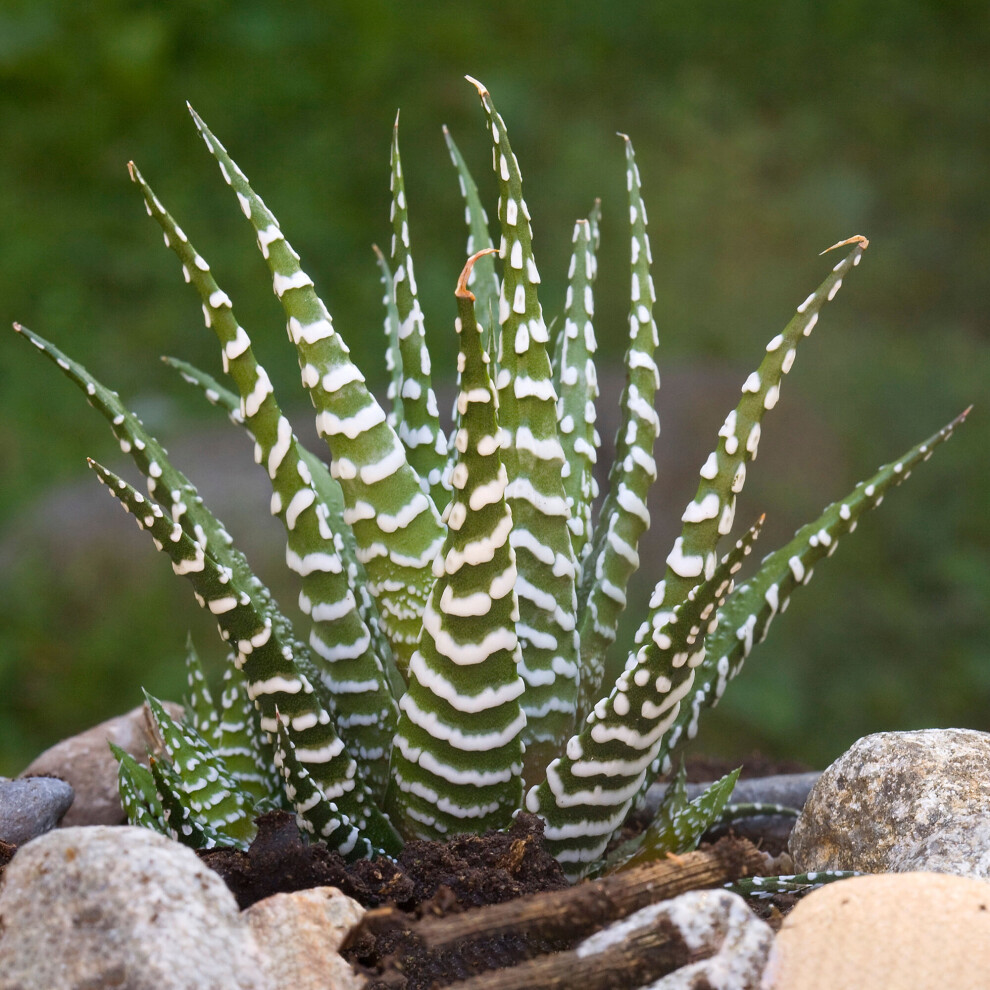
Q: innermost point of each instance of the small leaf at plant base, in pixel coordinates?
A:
(267, 662)
(680, 824)
(138, 795)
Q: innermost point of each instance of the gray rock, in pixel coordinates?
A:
(120, 907)
(31, 806)
(899, 802)
(85, 762)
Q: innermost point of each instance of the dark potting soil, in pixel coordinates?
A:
(428, 877)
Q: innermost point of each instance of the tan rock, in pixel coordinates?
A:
(85, 762)
(298, 935)
(896, 931)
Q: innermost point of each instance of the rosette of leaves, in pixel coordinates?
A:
(461, 588)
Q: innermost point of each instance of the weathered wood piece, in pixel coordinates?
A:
(580, 910)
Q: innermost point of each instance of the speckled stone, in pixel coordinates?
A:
(901, 802)
(898, 931)
(730, 943)
(299, 934)
(103, 907)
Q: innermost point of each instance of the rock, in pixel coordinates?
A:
(299, 935)
(900, 802)
(899, 931)
(715, 925)
(99, 907)
(85, 762)
(31, 806)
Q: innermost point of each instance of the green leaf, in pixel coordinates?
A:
(419, 428)
(484, 279)
(245, 750)
(710, 515)
(681, 828)
(795, 883)
(534, 460)
(315, 813)
(458, 751)
(200, 712)
(181, 822)
(396, 525)
(137, 791)
(340, 641)
(745, 618)
(331, 497)
(202, 780)
(589, 791)
(393, 355)
(275, 682)
(165, 482)
(575, 381)
(614, 555)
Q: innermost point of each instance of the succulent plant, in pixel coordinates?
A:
(462, 590)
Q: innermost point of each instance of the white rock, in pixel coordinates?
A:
(85, 762)
(716, 925)
(120, 907)
(299, 935)
(900, 802)
(898, 931)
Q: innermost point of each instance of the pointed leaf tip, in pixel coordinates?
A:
(863, 242)
(479, 86)
(462, 291)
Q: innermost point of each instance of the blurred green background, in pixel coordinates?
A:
(764, 132)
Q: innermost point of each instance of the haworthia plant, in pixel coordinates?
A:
(460, 596)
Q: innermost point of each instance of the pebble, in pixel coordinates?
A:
(901, 802)
(903, 931)
(105, 907)
(85, 762)
(299, 934)
(31, 806)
